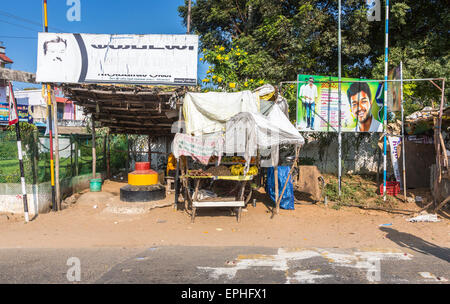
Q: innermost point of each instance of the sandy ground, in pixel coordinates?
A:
(99, 220)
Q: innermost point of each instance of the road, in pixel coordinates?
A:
(235, 265)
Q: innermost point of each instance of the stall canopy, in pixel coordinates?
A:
(247, 132)
(208, 112)
(235, 120)
(129, 109)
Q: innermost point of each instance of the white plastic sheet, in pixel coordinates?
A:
(254, 130)
(208, 112)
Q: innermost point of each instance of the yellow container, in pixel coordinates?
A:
(143, 178)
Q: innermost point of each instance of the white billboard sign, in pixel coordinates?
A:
(137, 59)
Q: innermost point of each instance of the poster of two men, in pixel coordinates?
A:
(318, 108)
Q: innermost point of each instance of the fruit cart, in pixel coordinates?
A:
(242, 189)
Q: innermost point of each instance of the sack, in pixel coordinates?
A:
(287, 202)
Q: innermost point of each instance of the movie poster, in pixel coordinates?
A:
(318, 103)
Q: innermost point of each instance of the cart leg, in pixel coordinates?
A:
(239, 214)
(193, 214)
(241, 192)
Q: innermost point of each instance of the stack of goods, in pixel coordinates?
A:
(199, 172)
(219, 171)
(236, 159)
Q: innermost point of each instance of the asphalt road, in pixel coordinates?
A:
(235, 265)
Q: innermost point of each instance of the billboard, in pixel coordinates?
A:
(317, 105)
(22, 111)
(136, 59)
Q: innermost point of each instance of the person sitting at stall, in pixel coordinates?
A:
(171, 165)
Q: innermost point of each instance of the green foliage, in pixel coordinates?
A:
(352, 191)
(231, 69)
(118, 146)
(26, 132)
(418, 36)
(285, 38)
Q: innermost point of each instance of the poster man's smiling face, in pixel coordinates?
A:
(361, 105)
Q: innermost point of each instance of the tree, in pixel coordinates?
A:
(286, 37)
(231, 70)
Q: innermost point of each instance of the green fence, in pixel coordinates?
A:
(75, 156)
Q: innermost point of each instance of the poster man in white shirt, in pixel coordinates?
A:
(360, 99)
(308, 96)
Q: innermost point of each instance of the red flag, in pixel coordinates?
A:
(13, 117)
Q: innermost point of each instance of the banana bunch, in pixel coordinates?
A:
(253, 170)
(237, 169)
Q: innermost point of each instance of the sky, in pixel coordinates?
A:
(22, 19)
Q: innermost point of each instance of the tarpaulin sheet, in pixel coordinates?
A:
(287, 201)
(246, 132)
(208, 112)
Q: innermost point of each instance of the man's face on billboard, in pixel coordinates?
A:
(56, 50)
(361, 105)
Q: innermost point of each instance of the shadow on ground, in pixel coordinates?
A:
(417, 244)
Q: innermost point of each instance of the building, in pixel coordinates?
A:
(5, 61)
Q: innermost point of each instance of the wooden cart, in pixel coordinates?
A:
(194, 202)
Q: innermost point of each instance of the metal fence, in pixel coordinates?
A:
(75, 156)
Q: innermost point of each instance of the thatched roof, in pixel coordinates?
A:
(129, 109)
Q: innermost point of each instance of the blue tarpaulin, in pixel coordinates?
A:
(287, 202)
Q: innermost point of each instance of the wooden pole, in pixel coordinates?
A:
(189, 18)
(76, 155)
(105, 138)
(94, 156)
(71, 155)
(437, 144)
(150, 150)
(403, 132)
(56, 151)
(441, 109)
(127, 164)
(108, 156)
(35, 157)
(177, 170)
(13, 107)
(277, 202)
(289, 175)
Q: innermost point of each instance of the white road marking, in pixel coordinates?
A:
(364, 260)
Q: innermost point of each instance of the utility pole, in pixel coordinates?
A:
(385, 98)
(189, 18)
(339, 101)
(14, 119)
(50, 123)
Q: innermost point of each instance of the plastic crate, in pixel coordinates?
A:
(392, 188)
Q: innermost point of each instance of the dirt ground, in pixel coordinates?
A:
(102, 220)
